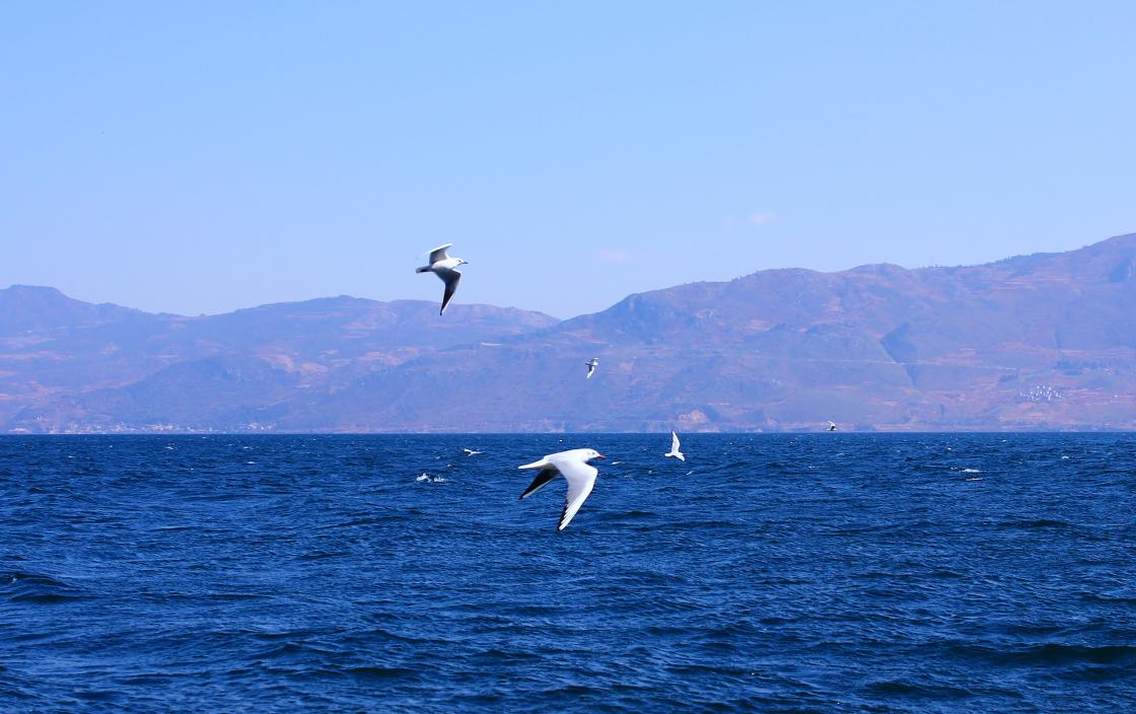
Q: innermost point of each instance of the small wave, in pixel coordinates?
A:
(368, 520)
(857, 529)
(1033, 524)
(323, 555)
(1110, 598)
(236, 596)
(972, 471)
(98, 695)
(22, 586)
(1054, 654)
(638, 514)
(283, 652)
(375, 672)
(45, 598)
(900, 688)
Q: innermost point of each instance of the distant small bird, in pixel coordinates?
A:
(674, 452)
(831, 426)
(446, 268)
(574, 467)
(470, 452)
(591, 365)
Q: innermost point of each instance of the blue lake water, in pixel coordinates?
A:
(824, 572)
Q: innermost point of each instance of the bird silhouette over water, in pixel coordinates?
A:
(674, 453)
(574, 467)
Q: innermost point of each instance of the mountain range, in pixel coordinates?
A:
(1044, 341)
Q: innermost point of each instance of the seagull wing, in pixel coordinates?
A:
(451, 278)
(581, 478)
(674, 443)
(542, 478)
(439, 253)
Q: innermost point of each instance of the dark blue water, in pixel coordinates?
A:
(829, 572)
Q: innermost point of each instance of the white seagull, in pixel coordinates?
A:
(674, 452)
(574, 467)
(831, 426)
(446, 268)
(591, 365)
(470, 452)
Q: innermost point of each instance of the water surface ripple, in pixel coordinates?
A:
(827, 572)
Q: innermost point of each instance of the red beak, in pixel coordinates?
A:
(600, 456)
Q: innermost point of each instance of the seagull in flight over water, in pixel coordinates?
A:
(470, 452)
(446, 268)
(574, 467)
(674, 452)
(591, 365)
(831, 426)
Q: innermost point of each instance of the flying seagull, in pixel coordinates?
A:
(470, 452)
(446, 268)
(674, 452)
(574, 467)
(831, 426)
(591, 365)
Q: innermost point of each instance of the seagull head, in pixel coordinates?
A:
(463, 261)
(593, 454)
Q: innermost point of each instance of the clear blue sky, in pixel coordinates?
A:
(199, 157)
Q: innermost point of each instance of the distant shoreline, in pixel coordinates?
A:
(882, 432)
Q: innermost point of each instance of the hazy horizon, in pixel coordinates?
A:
(518, 307)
